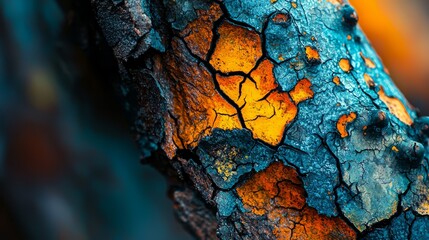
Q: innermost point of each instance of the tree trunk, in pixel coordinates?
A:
(271, 119)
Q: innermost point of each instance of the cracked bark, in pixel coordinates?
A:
(270, 119)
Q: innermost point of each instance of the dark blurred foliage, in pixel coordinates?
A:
(69, 168)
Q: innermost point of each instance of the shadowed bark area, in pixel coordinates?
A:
(271, 119)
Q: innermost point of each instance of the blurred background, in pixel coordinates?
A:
(69, 168)
(399, 31)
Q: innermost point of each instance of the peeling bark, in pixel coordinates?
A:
(273, 119)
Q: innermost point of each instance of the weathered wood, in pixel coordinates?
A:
(272, 119)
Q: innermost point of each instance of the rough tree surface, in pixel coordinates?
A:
(272, 119)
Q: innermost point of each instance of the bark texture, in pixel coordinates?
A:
(271, 119)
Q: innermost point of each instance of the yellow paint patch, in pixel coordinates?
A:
(345, 65)
(302, 91)
(249, 93)
(336, 80)
(277, 111)
(223, 114)
(262, 104)
(197, 107)
(263, 82)
(312, 54)
(294, 4)
(368, 62)
(396, 107)
(394, 148)
(225, 169)
(237, 49)
(343, 122)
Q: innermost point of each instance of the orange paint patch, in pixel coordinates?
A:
(237, 49)
(302, 91)
(336, 80)
(343, 122)
(264, 78)
(280, 18)
(249, 93)
(368, 62)
(261, 104)
(369, 81)
(263, 81)
(277, 111)
(196, 107)
(321, 227)
(396, 107)
(230, 85)
(277, 192)
(257, 193)
(312, 54)
(198, 34)
(223, 114)
(294, 4)
(345, 65)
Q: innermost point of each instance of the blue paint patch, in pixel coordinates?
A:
(420, 228)
(226, 159)
(254, 13)
(156, 41)
(282, 40)
(225, 203)
(181, 12)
